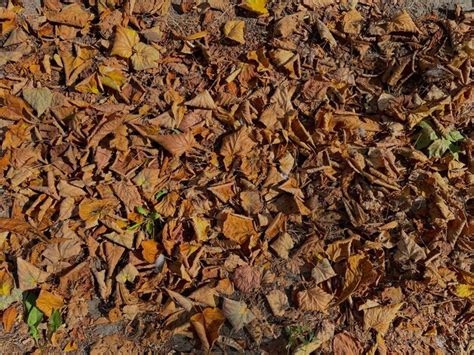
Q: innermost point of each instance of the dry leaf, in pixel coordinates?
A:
(125, 41)
(202, 100)
(234, 30)
(278, 302)
(40, 99)
(47, 302)
(313, 299)
(322, 271)
(9, 318)
(255, 6)
(247, 278)
(345, 344)
(145, 57)
(283, 245)
(207, 325)
(237, 313)
(238, 228)
(29, 276)
(150, 250)
(402, 23)
(380, 317)
(128, 273)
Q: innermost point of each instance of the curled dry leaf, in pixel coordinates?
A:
(9, 318)
(202, 100)
(238, 228)
(237, 313)
(402, 23)
(234, 30)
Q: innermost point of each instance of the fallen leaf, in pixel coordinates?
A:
(39, 98)
(202, 100)
(237, 313)
(313, 299)
(322, 271)
(464, 290)
(402, 23)
(29, 276)
(278, 302)
(255, 6)
(150, 250)
(282, 245)
(247, 278)
(380, 317)
(207, 325)
(125, 41)
(234, 30)
(238, 228)
(47, 302)
(128, 273)
(8, 318)
(345, 344)
(145, 57)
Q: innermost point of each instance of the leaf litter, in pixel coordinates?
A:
(241, 176)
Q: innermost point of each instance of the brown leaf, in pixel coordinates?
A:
(278, 302)
(207, 325)
(29, 276)
(234, 30)
(402, 23)
(238, 228)
(202, 100)
(47, 302)
(407, 250)
(72, 15)
(313, 299)
(237, 313)
(8, 318)
(322, 271)
(176, 144)
(345, 344)
(247, 278)
(380, 317)
(283, 245)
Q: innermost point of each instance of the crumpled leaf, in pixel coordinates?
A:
(278, 302)
(407, 250)
(238, 228)
(402, 23)
(234, 30)
(322, 271)
(39, 98)
(207, 325)
(237, 313)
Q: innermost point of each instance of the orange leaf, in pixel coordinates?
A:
(47, 302)
(150, 250)
(8, 318)
(207, 325)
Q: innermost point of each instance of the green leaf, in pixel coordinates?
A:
(161, 194)
(134, 227)
(143, 211)
(438, 148)
(426, 136)
(34, 319)
(155, 215)
(455, 136)
(55, 321)
(149, 227)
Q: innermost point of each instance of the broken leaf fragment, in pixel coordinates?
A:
(38, 98)
(234, 30)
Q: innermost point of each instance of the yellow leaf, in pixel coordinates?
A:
(111, 77)
(234, 30)
(255, 6)
(145, 57)
(464, 290)
(380, 317)
(196, 35)
(71, 346)
(47, 302)
(201, 227)
(6, 283)
(125, 40)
